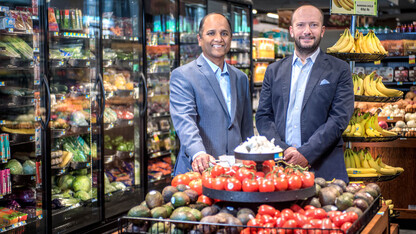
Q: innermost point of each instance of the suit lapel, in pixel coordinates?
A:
(285, 82)
(316, 73)
(233, 87)
(210, 76)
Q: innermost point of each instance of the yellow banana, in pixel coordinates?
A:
(399, 169)
(388, 202)
(372, 163)
(363, 45)
(337, 3)
(377, 127)
(360, 90)
(361, 156)
(347, 130)
(347, 160)
(388, 92)
(357, 42)
(364, 175)
(341, 43)
(356, 160)
(364, 162)
(373, 42)
(350, 44)
(368, 43)
(374, 86)
(361, 170)
(379, 45)
(387, 171)
(353, 129)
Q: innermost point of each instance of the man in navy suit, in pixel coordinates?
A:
(210, 101)
(307, 100)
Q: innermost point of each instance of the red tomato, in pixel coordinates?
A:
(250, 185)
(308, 179)
(277, 214)
(306, 227)
(207, 181)
(280, 221)
(249, 164)
(243, 173)
(268, 166)
(280, 184)
(268, 219)
(288, 170)
(217, 170)
(196, 185)
(309, 207)
(316, 223)
(294, 182)
(340, 219)
(255, 222)
(351, 216)
(326, 224)
(180, 179)
(319, 213)
(301, 219)
(259, 174)
(246, 231)
(219, 183)
(266, 186)
(346, 226)
(297, 208)
(233, 184)
(266, 209)
(205, 199)
(193, 175)
(270, 224)
(333, 213)
(291, 223)
(259, 180)
(287, 213)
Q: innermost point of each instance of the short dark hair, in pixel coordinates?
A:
(201, 24)
(322, 13)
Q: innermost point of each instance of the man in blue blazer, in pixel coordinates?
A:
(307, 100)
(210, 101)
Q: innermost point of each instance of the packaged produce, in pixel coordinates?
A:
(19, 23)
(412, 73)
(401, 74)
(53, 24)
(409, 47)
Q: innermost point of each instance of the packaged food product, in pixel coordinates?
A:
(53, 25)
(401, 74)
(386, 73)
(412, 73)
(19, 23)
(359, 70)
(409, 47)
(27, 19)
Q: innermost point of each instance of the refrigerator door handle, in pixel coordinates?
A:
(102, 102)
(143, 111)
(47, 104)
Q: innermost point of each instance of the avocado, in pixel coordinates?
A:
(209, 210)
(167, 193)
(327, 196)
(182, 187)
(349, 195)
(343, 202)
(355, 210)
(361, 203)
(139, 211)
(245, 217)
(199, 206)
(336, 189)
(371, 191)
(154, 199)
(175, 230)
(317, 189)
(315, 202)
(329, 208)
(246, 210)
(229, 210)
(366, 196)
(159, 212)
(182, 209)
(321, 181)
(180, 199)
(341, 184)
(183, 216)
(374, 186)
(193, 195)
(196, 213)
(159, 227)
(169, 208)
(144, 204)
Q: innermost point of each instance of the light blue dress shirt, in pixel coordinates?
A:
(223, 78)
(299, 79)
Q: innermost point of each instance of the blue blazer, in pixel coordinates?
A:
(200, 115)
(327, 107)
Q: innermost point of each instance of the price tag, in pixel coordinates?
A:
(364, 7)
(55, 33)
(156, 137)
(412, 59)
(377, 62)
(130, 123)
(2, 83)
(11, 30)
(400, 83)
(389, 118)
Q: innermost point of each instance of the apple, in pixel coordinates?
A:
(383, 124)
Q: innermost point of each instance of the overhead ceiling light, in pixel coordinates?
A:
(273, 15)
(254, 11)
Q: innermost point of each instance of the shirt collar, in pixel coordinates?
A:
(215, 67)
(312, 57)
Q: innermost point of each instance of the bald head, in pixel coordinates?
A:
(307, 9)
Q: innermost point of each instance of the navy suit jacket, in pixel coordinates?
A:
(200, 115)
(326, 110)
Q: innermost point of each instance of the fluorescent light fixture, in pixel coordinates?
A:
(254, 11)
(273, 15)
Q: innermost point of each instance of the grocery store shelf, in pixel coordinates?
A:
(239, 50)
(14, 227)
(159, 154)
(264, 60)
(399, 83)
(150, 134)
(242, 66)
(109, 38)
(13, 32)
(160, 115)
(117, 63)
(71, 63)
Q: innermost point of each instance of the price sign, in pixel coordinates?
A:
(366, 7)
(377, 62)
(354, 7)
(412, 59)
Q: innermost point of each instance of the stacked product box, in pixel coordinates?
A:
(5, 182)
(9, 216)
(4, 147)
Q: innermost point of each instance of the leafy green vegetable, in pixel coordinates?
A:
(15, 167)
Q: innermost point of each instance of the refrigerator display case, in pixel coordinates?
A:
(161, 58)
(21, 190)
(191, 13)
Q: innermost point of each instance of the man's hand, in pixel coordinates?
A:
(292, 155)
(201, 162)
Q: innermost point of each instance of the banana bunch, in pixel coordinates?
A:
(368, 44)
(388, 203)
(346, 4)
(362, 164)
(345, 44)
(371, 86)
(356, 126)
(373, 129)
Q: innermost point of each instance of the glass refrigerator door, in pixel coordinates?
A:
(191, 13)
(122, 74)
(162, 57)
(72, 76)
(20, 146)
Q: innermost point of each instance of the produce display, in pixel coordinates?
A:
(360, 163)
(368, 44)
(371, 86)
(335, 207)
(366, 125)
(258, 144)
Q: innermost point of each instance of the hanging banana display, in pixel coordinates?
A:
(371, 86)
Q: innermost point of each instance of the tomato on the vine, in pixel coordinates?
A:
(243, 173)
(250, 185)
(294, 182)
(268, 166)
(193, 175)
(259, 174)
(281, 184)
(207, 181)
(205, 199)
(180, 179)
(308, 179)
(217, 170)
(196, 185)
(233, 184)
(266, 209)
(309, 207)
(319, 213)
(219, 183)
(266, 186)
(250, 164)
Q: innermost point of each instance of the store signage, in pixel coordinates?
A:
(412, 59)
(354, 7)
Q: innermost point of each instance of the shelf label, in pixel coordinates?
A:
(11, 30)
(412, 59)
(2, 83)
(377, 62)
(354, 7)
(130, 123)
(366, 7)
(400, 83)
(389, 118)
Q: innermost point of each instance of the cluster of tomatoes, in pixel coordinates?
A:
(308, 220)
(246, 178)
